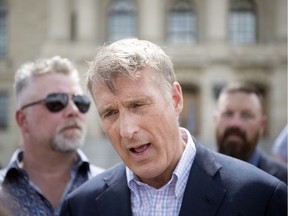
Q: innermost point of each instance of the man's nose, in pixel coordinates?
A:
(235, 120)
(71, 109)
(128, 125)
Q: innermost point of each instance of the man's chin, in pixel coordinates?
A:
(231, 148)
(68, 145)
(65, 149)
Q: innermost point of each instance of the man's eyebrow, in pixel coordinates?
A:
(144, 100)
(137, 99)
(141, 98)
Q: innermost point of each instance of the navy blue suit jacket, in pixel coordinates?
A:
(217, 185)
(273, 167)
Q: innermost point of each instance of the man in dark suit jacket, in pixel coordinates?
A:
(164, 172)
(239, 123)
(217, 185)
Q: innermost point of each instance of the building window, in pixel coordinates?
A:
(122, 20)
(189, 117)
(242, 22)
(3, 29)
(4, 110)
(181, 23)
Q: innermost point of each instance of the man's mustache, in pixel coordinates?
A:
(71, 123)
(234, 131)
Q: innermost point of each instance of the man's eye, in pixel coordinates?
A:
(136, 105)
(227, 114)
(110, 113)
(247, 115)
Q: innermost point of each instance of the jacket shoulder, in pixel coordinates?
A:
(81, 200)
(273, 167)
(99, 183)
(231, 171)
(245, 186)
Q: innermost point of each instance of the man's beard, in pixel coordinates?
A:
(69, 141)
(237, 149)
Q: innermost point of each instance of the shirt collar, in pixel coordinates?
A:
(17, 158)
(183, 167)
(181, 172)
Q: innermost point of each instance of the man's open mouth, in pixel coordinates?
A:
(140, 149)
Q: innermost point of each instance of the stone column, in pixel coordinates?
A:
(86, 20)
(281, 20)
(152, 20)
(216, 23)
(59, 22)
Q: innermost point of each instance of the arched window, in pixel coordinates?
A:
(3, 29)
(242, 22)
(181, 23)
(122, 20)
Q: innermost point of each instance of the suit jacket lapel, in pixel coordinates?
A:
(203, 194)
(115, 200)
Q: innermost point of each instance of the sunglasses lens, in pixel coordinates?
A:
(56, 102)
(82, 102)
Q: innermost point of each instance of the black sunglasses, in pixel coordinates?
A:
(56, 102)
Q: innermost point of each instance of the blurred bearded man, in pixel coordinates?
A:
(240, 123)
(51, 115)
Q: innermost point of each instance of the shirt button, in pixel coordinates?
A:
(158, 207)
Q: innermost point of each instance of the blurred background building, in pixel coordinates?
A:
(211, 43)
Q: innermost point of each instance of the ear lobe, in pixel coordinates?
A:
(177, 97)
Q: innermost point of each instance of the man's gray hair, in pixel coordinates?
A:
(25, 74)
(130, 57)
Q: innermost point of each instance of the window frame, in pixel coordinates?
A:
(182, 20)
(3, 30)
(124, 11)
(242, 22)
(4, 109)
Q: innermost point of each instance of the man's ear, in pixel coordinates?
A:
(215, 116)
(21, 120)
(263, 124)
(177, 97)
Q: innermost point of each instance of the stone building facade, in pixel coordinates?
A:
(211, 42)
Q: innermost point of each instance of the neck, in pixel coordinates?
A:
(50, 171)
(164, 178)
(49, 162)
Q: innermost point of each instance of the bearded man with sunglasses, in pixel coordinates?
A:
(240, 123)
(51, 114)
